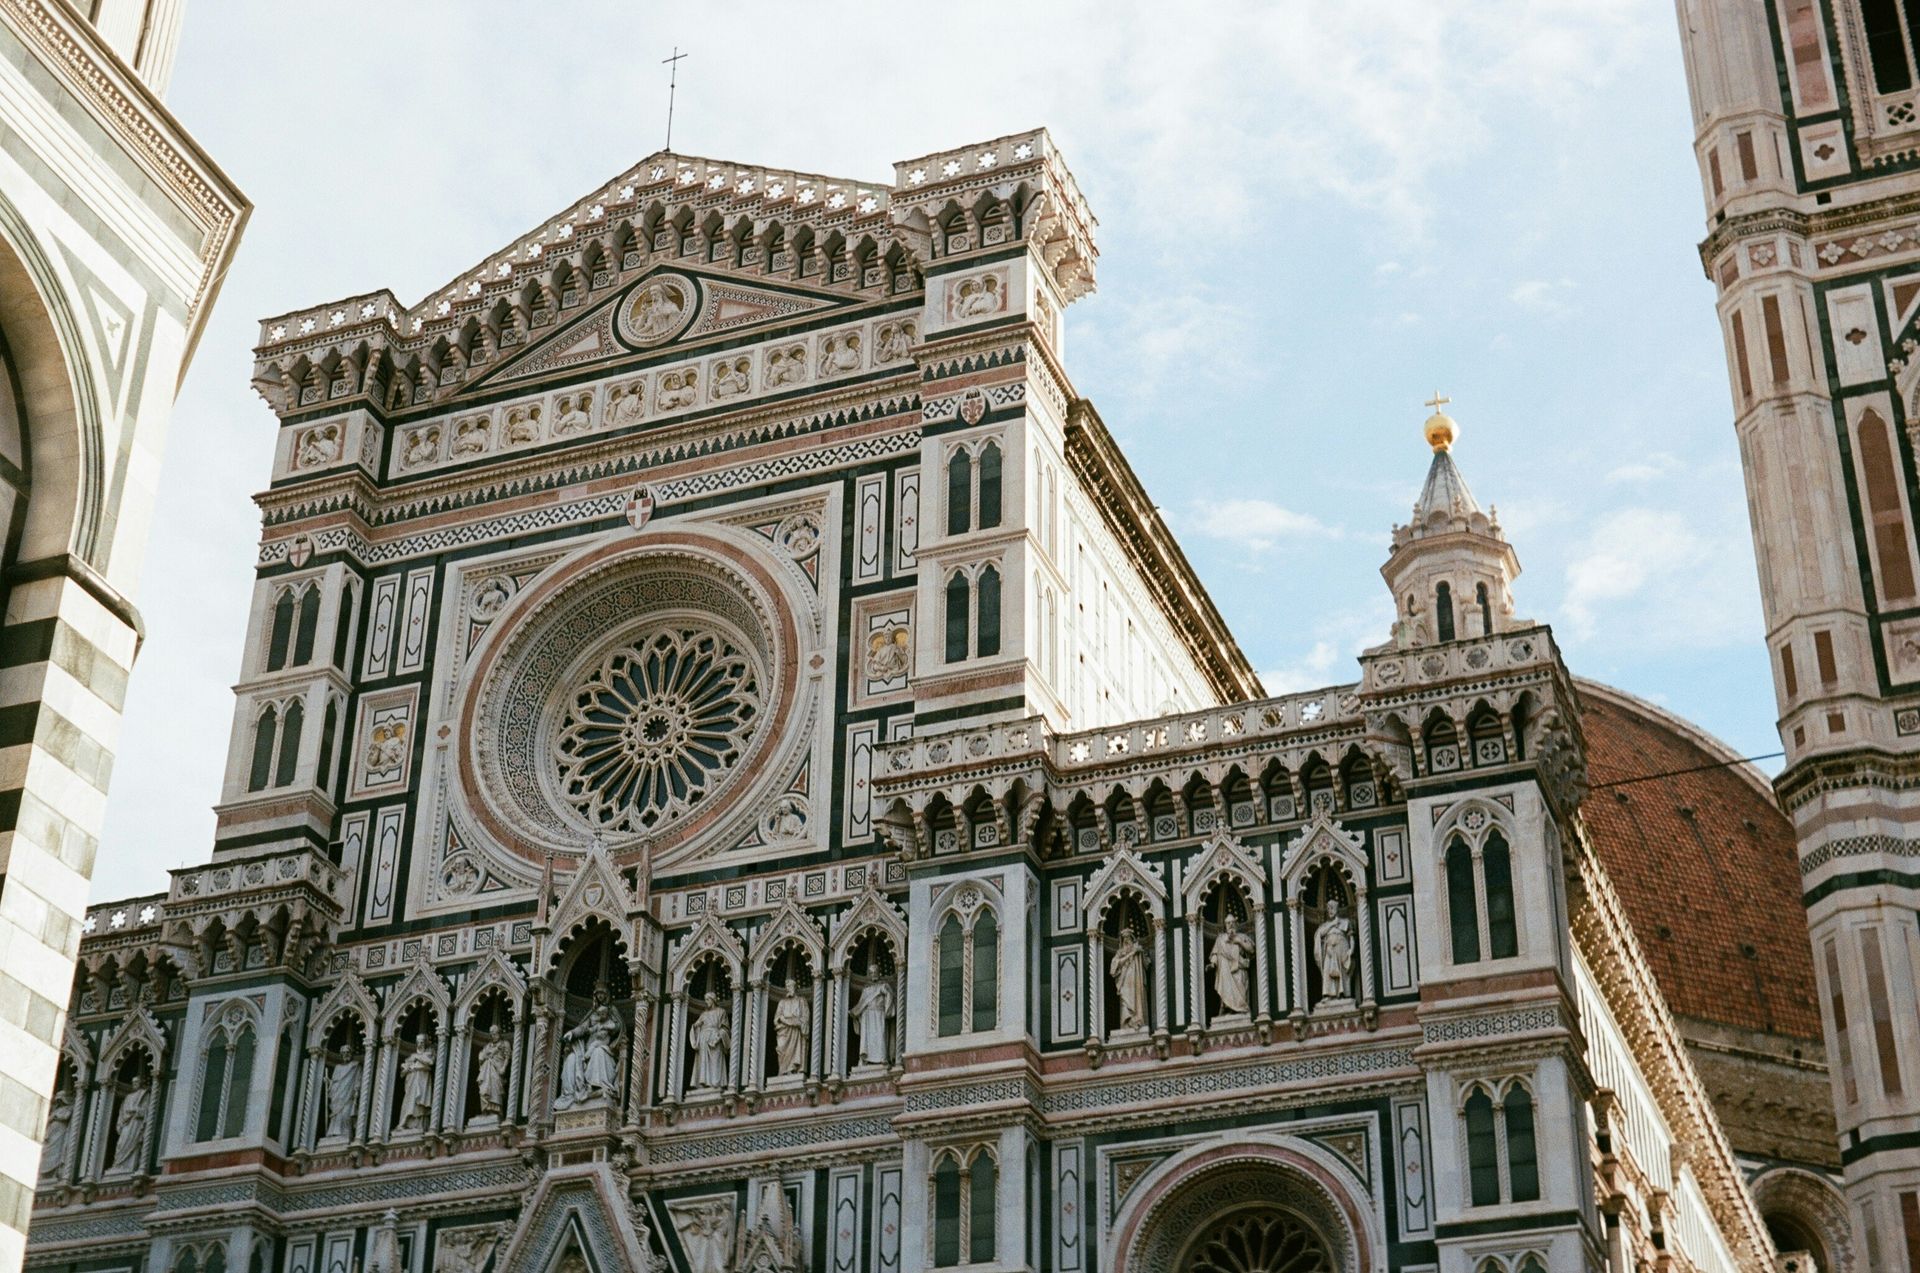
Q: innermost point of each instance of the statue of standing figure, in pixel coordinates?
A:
(130, 1129)
(53, 1148)
(1128, 967)
(1231, 954)
(1333, 949)
(871, 1013)
(592, 1068)
(343, 1094)
(416, 1086)
(792, 1019)
(490, 1073)
(710, 1036)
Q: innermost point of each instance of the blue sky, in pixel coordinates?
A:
(1311, 215)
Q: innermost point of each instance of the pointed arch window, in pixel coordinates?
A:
(1892, 38)
(959, 608)
(280, 636)
(1502, 1159)
(988, 641)
(329, 726)
(343, 624)
(967, 973)
(989, 496)
(965, 1185)
(225, 1081)
(1480, 890)
(294, 722)
(1880, 471)
(1443, 610)
(960, 492)
(306, 626)
(1486, 609)
(265, 730)
(1496, 866)
(1463, 911)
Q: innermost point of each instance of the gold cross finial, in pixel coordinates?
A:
(1437, 401)
(1440, 428)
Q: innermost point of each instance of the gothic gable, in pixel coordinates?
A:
(579, 1209)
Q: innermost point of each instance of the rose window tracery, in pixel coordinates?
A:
(656, 726)
(1263, 1241)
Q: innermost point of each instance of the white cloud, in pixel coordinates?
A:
(1646, 579)
(1648, 468)
(1258, 524)
(1310, 671)
(1540, 295)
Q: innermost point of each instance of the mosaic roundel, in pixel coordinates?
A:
(657, 725)
(658, 309)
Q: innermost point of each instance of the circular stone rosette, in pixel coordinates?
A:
(642, 693)
(658, 310)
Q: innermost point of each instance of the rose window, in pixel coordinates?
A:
(1260, 1242)
(655, 727)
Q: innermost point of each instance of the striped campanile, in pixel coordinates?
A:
(1807, 119)
(114, 233)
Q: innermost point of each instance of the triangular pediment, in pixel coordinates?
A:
(671, 307)
(579, 1212)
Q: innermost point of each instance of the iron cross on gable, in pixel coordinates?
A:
(673, 88)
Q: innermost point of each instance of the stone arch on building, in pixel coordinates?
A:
(1217, 1201)
(1805, 1212)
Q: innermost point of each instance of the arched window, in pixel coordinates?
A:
(986, 970)
(1532, 1264)
(989, 486)
(1486, 608)
(282, 1076)
(1496, 865)
(964, 1194)
(951, 971)
(1523, 1169)
(1890, 539)
(958, 605)
(282, 633)
(187, 1263)
(1887, 43)
(216, 1260)
(1502, 1163)
(342, 623)
(1463, 906)
(1443, 610)
(1483, 1150)
(225, 1082)
(959, 492)
(329, 725)
(307, 625)
(967, 973)
(265, 730)
(290, 743)
(988, 642)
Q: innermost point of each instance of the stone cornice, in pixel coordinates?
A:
(1625, 981)
(128, 110)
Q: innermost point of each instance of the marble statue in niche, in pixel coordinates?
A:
(792, 1020)
(894, 341)
(889, 653)
(319, 446)
(1230, 958)
(592, 1066)
(53, 1146)
(343, 1094)
(710, 1037)
(872, 1014)
(416, 1086)
(130, 1128)
(490, 1069)
(1333, 951)
(1128, 968)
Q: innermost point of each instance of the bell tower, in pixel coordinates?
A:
(1807, 118)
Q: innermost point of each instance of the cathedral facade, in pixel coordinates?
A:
(731, 772)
